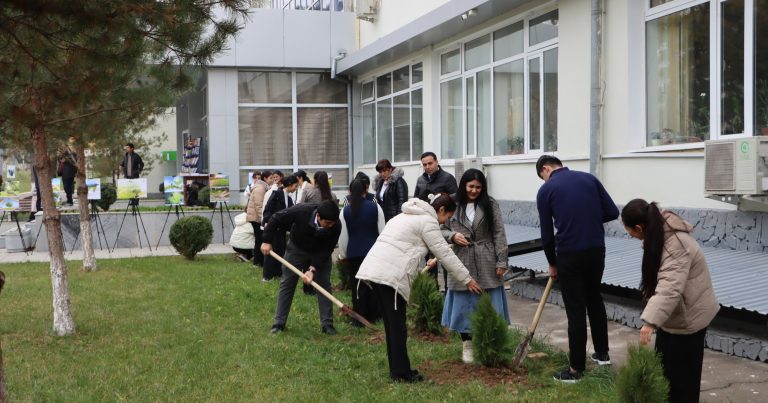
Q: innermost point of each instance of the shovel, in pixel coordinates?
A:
(345, 310)
(522, 349)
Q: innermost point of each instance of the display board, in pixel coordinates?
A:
(94, 188)
(173, 190)
(219, 184)
(132, 188)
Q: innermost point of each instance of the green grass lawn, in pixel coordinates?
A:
(166, 329)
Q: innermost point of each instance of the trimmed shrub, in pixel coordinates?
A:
(190, 235)
(642, 379)
(428, 304)
(108, 196)
(491, 340)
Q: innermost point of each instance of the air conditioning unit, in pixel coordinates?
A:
(463, 164)
(366, 9)
(736, 166)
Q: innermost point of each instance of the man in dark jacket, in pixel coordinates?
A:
(314, 232)
(578, 205)
(434, 179)
(132, 164)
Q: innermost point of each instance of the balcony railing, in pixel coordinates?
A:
(311, 5)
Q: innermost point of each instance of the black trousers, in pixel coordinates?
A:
(580, 275)
(301, 260)
(273, 268)
(69, 187)
(363, 298)
(258, 257)
(248, 253)
(395, 329)
(682, 356)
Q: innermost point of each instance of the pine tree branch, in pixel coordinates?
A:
(92, 113)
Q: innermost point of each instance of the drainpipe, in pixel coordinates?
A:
(595, 101)
(340, 55)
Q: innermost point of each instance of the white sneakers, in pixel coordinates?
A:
(466, 354)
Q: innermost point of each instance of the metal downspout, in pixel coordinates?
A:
(595, 90)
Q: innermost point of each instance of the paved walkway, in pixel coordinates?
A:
(119, 253)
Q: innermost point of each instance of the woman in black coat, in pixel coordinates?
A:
(278, 200)
(391, 189)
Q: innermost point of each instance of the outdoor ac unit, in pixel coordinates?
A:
(736, 166)
(462, 165)
(366, 9)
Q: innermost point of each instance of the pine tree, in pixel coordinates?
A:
(63, 61)
(642, 379)
(490, 337)
(428, 304)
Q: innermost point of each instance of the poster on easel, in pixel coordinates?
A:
(10, 172)
(94, 188)
(132, 189)
(9, 203)
(219, 184)
(173, 190)
(57, 193)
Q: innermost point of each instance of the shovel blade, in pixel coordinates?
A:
(522, 349)
(345, 310)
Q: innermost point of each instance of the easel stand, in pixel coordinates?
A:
(221, 205)
(15, 217)
(178, 207)
(133, 206)
(94, 216)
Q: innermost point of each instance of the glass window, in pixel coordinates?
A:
(509, 106)
(384, 129)
(732, 68)
(450, 118)
(266, 136)
(550, 100)
(401, 79)
(369, 134)
(761, 68)
(384, 85)
(655, 3)
(450, 62)
(508, 41)
(534, 102)
(470, 102)
(367, 90)
(416, 125)
(258, 87)
(677, 77)
(477, 52)
(322, 136)
(402, 131)
(417, 73)
(318, 88)
(484, 122)
(543, 28)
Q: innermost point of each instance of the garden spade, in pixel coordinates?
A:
(344, 308)
(522, 349)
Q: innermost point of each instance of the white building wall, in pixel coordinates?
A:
(223, 125)
(393, 14)
(166, 124)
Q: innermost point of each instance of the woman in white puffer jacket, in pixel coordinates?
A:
(395, 260)
(242, 238)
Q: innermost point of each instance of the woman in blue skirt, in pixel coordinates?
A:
(477, 234)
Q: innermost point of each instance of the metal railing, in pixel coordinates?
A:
(311, 5)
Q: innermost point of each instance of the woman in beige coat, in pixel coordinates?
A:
(677, 285)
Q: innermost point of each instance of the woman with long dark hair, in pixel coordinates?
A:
(391, 189)
(362, 221)
(323, 185)
(479, 240)
(677, 286)
(395, 259)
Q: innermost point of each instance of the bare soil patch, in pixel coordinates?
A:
(456, 372)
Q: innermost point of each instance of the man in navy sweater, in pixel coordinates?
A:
(578, 205)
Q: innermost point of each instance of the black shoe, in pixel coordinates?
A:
(601, 359)
(413, 377)
(277, 329)
(329, 330)
(566, 376)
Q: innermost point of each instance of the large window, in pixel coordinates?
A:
(498, 91)
(686, 100)
(392, 115)
(292, 121)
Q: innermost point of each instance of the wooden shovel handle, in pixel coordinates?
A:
(301, 274)
(542, 302)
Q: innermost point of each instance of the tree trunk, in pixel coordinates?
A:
(63, 324)
(89, 258)
(3, 387)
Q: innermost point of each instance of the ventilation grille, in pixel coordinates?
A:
(720, 168)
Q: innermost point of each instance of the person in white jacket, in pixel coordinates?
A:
(242, 238)
(395, 260)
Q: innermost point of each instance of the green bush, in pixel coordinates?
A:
(642, 379)
(108, 196)
(428, 304)
(190, 235)
(490, 337)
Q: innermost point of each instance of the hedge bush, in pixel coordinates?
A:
(428, 304)
(642, 379)
(190, 235)
(490, 338)
(108, 196)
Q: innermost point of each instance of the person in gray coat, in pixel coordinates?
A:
(480, 242)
